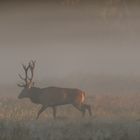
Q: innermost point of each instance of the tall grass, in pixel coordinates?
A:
(114, 119)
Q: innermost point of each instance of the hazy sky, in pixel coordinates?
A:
(67, 40)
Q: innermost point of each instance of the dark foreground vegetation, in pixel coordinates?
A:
(79, 129)
(116, 117)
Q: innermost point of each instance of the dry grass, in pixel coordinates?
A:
(114, 119)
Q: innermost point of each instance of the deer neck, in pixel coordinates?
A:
(34, 95)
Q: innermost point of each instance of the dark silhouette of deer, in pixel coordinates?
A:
(50, 96)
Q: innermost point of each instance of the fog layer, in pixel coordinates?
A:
(68, 40)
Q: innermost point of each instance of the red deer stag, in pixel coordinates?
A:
(50, 96)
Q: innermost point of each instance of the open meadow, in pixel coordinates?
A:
(115, 117)
(91, 45)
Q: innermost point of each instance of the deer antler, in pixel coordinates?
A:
(27, 80)
(32, 67)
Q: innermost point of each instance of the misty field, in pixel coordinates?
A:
(115, 117)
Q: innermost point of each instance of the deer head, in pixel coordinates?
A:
(28, 80)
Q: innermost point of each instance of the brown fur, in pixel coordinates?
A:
(55, 96)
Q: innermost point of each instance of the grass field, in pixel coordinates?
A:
(114, 118)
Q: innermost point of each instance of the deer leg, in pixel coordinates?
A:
(88, 107)
(83, 110)
(89, 110)
(80, 108)
(54, 112)
(40, 111)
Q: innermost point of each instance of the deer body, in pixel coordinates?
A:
(52, 96)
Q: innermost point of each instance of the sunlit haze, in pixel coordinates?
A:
(68, 40)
